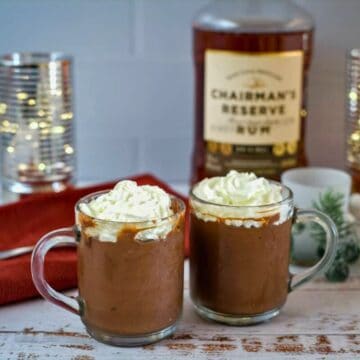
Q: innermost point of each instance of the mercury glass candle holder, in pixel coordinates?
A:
(36, 123)
(353, 116)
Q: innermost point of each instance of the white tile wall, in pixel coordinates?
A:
(166, 29)
(133, 77)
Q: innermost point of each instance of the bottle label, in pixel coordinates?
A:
(252, 110)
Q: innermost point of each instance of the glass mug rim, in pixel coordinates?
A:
(287, 199)
(156, 221)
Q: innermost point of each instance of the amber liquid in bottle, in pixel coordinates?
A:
(261, 43)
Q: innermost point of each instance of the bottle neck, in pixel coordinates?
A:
(254, 16)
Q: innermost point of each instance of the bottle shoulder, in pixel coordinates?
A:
(253, 16)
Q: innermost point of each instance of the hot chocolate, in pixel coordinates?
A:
(240, 245)
(239, 270)
(131, 286)
(130, 266)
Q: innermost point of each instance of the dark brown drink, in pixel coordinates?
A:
(239, 270)
(130, 287)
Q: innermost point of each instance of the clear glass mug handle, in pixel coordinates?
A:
(57, 238)
(331, 232)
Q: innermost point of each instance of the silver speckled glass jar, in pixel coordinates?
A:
(353, 116)
(36, 124)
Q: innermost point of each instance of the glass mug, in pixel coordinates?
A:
(130, 290)
(239, 263)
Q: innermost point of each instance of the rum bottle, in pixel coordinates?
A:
(251, 64)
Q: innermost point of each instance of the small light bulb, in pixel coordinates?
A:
(43, 124)
(58, 130)
(353, 95)
(66, 116)
(68, 149)
(22, 95)
(33, 125)
(3, 108)
(41, 166)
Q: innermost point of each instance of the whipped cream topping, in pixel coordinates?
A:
(240, 194)
(238, 189)
(130, 203)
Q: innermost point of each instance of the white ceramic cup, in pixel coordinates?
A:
(308, 183)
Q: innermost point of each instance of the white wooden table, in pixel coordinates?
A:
(319, 321)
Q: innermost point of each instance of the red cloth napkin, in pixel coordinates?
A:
(25, 222)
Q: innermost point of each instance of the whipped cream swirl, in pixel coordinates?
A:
(130, 203)
(240, 193)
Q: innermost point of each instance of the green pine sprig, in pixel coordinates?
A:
(331, 203)
(348, 251)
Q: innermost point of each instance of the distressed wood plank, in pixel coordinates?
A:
(69, 346)
(319, 321)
